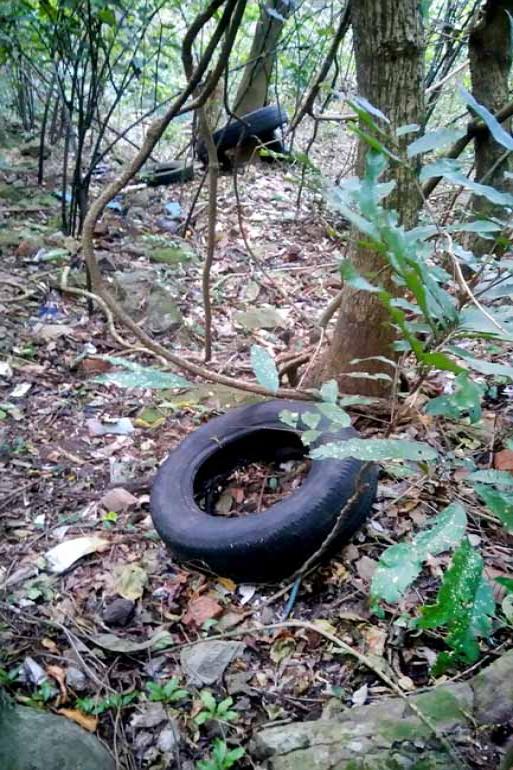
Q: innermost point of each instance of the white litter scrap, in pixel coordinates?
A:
(63, 556)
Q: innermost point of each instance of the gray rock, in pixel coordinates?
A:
(119, 612)
(389, 734)
(163, 312)
(35, 740)
(76, 679)
(206, 662)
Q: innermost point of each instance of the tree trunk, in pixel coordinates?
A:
(256, 78)
(490, 59)
(389, 52)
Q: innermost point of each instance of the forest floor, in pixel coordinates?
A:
(77, 458)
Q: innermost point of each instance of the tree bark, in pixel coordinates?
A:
(256, 78)
(490, 59)
(389, 52)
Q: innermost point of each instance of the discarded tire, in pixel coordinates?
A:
(273, 544)
(259, 123)
(169, 173)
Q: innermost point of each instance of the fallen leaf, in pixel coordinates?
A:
(503, 460)
(87, 721)
(160, 640)
(130, 581)
(63, 556)
(200, 610)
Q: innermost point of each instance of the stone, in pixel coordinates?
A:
(163, 313)
(205, 662)
(36, 740)
(119, 612)
(389, 734)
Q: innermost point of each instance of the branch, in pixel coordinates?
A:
(473, 129)
(307, 106)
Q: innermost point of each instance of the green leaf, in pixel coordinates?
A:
(506, 582)
(353, 278)
(329, 391)
(448, 170)
(208, 700)
(497, 478)
(289, 418)
(483, 367)
(265, 368)
(375, 450)
(366, 106)
(497, 131)
(400, 564)
(434, 140)
(311, 419)
(139, 376)
(309, 436)
(335, 415)
(466, 398)
(463, 606)
(355, 400)
(500, 504)
(409, 128)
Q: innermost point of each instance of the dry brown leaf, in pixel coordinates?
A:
(87, 721)
(200, 610)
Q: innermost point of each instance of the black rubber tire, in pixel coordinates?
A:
(168, 173)
(256, 123)
(260, 547)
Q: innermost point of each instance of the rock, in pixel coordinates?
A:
(260, 318)
(389, 734)
(169, 738)
(149, 715)
(206, 662)
(76, 679)
(36, 740)
(118, 612)
(163, 313)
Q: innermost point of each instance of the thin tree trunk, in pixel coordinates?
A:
(389, 51)
(490, 58)
(254, 86)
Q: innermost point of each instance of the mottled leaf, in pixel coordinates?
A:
(265, 368)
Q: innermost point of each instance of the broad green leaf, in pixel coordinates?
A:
(376, 449)
(409, 128)
(466, 399)
(441, 361)
(497, 131)
(482, 366)
(264, 368)
(309, 436)
(335, 414)
(329, 392)
(500, 503)
(397, 569)
(354, 279)
(445, 533)
(289, 418)
(506, 582)
(434, 140)
(365, 105)
(481, 226)
(139, 376)
(311, 419)
(497, 478)
(462, 606)
(452, 173)
(400, 564)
